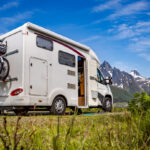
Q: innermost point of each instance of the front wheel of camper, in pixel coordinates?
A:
(107, 105)
(4, 69)
(58, 106)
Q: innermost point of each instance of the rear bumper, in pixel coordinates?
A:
(13, 100)
(22, 100)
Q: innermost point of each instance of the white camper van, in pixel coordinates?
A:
(39, 68)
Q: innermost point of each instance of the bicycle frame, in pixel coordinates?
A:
(7, 54)
(10, 53)
(2, 59)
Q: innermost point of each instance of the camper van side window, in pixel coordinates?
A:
(44, 43)
(100, 77)
(66, 59)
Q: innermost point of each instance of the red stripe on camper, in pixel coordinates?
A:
(71, 48)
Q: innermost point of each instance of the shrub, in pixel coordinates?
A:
(140, 103)
(140, 108)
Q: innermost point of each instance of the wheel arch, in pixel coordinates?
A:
(61, 96)
(55, 93)
(109, 96)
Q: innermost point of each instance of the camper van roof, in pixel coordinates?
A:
(57, 36)
(53, 34)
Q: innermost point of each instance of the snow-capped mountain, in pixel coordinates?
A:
(136, 75)
(132, 82)
(106, 69)
(144, 83)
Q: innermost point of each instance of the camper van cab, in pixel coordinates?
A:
(50, 71)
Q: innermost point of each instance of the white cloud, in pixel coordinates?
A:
(148, 13)
(9, 5)
(6, 22)
(110, 30)
(125, 31)
(130, 9)
(122, 9)
(90, 39)
(112, 4)
(17, 18)
(138, 36)
(142, 24)
(141, 44)
(145, 56)
(134, 39)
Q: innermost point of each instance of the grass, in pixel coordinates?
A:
(94, 132)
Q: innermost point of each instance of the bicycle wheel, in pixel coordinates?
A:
(4, 69)
(1, 67)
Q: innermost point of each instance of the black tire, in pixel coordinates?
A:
(107, 104)
(73, 108)
(4, 69)
(2, 112)
(79, 111)
(58, 106)
(20, 112)
(76, 111)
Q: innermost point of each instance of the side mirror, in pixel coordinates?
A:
(108, 80)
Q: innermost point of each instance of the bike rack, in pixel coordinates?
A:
(10, 80)
(5, 55)
(10, 53)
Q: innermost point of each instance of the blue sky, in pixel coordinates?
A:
(117, 30)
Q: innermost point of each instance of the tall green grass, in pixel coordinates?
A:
(128, 129)
(122, 131)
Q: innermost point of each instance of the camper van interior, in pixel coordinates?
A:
(81, 81)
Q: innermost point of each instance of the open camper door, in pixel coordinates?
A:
(93, 74)
(93, 81)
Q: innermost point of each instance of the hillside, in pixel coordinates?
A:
(121, 95)
(125, 84)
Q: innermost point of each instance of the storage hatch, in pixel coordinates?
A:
(38, 77)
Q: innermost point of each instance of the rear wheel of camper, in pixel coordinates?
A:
(2, 112)
(20, 112)
(107, 105)
(58, 106)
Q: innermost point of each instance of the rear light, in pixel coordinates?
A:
(16, 92)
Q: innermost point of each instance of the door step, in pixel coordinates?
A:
(81, 101)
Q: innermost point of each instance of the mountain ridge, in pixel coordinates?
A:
(131, 82)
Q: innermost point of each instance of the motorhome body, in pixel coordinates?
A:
(51, 71)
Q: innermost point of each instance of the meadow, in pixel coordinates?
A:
(122, 129)
(93, 132)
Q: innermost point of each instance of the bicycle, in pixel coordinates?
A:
(4, 64)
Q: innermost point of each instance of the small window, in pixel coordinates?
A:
(66, 59)
(44, 43)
